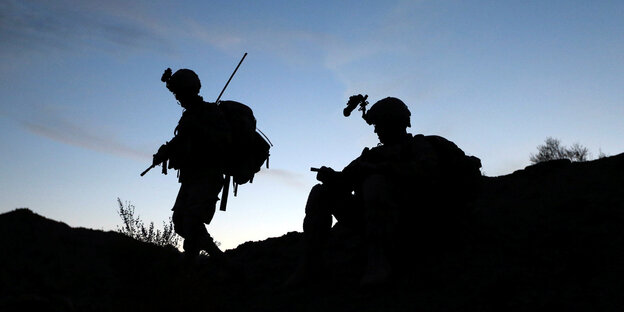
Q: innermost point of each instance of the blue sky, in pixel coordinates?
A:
(83, 108)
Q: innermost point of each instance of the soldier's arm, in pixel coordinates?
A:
(332, 178)
(326, 174)
(371, 161)
(181, 142)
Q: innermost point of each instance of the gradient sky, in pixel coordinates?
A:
(83, 109)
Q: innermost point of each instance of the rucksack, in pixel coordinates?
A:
(248, 150)
(461, 173)
(454, 159)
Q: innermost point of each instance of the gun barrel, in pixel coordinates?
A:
(148, 169)
(315, 169)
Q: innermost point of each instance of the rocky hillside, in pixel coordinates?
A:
(550, 236)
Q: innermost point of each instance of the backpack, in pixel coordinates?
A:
(456, 162)
(461, 173)
(248, 149)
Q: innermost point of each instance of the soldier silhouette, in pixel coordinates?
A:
(198, 151)
(377, 191)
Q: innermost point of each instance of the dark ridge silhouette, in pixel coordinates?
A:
(548, 237)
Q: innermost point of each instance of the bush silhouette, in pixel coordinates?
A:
(552, 149)
(134, 227)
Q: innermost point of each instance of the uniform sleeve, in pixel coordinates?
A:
(179, 146)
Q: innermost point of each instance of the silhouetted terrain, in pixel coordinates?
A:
(550, 236)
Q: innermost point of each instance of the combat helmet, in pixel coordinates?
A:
(184, 81)
(388, 111)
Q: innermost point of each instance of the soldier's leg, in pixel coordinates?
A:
(322, 203)
(318, 217)
(195, 207)
(182, 224)
(381, 220)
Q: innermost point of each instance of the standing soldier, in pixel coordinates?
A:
(198, 151)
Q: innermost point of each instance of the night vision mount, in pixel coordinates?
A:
(355, 101)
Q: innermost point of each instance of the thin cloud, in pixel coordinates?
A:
(67, 132)
(292, 46)
(224, 40)
(36, 25)
(390, 37)
(289, 178)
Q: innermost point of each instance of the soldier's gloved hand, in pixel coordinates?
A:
(325, 174)
(156, 160)
(160, 156)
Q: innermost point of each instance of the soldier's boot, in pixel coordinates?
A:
(191, 252)
(229, 267)
(212, 249)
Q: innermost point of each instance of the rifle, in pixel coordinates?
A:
(164, 168)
